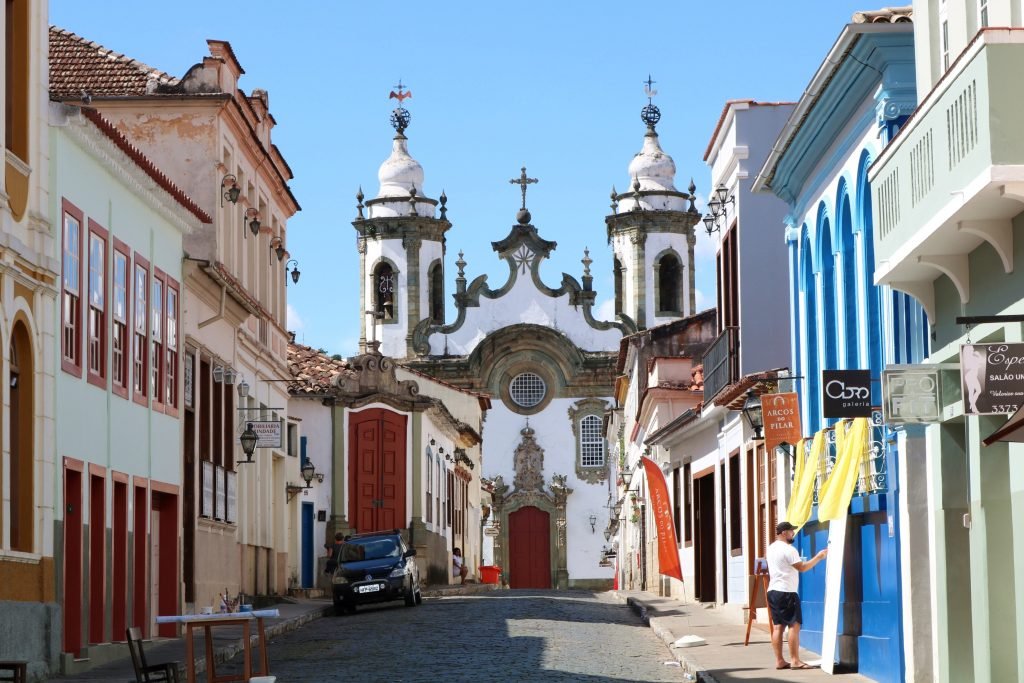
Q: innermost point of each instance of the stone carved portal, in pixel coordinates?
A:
(528, 464)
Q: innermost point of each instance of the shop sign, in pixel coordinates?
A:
(911, 395)
(846, 393)
(268, 432)
(781, 416)
(992, 377)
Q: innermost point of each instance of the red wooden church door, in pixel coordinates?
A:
(529, 548)
(376, 469)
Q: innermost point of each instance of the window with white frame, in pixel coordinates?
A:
(983, 13)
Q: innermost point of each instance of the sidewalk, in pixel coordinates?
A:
(724, 659)
(227, 642)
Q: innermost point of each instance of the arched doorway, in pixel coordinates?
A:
(377, 468)
(20, 473)
(529, 540)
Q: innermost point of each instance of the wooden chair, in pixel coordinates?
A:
(148, 673)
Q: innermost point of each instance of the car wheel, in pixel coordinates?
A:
(339, 609)
(410, 595)
(419, 596)
(350, 607)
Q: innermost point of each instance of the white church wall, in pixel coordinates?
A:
(524, 304)
(553, 433)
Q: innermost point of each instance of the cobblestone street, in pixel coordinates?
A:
(499, 636)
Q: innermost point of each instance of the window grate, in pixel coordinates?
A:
(527, 390)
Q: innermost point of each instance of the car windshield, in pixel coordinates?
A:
(357, 549)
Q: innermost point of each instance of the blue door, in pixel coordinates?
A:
(307, 545)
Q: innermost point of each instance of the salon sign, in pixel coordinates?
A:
(992, 378)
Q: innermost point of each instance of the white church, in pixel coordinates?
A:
(536, 349)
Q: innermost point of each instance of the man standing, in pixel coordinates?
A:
(784, 565)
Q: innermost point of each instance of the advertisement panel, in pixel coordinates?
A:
(268, 432)
(846, 393)
(911, 395)
(781, 416)
(992, 377)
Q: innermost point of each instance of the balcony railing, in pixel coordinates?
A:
(721, 363)
(953, 173)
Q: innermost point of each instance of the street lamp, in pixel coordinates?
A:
(752, 411)
(294, 272)
(717, 204)
(248, 440)
(308, 472)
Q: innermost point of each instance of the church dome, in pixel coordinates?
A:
(652, 167)
(399, 173)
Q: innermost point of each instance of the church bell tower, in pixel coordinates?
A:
(401, 249)
(651, 230)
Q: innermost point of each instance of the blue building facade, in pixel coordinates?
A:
(861, 94)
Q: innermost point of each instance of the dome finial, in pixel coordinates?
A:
(400, 117)
(650, 114)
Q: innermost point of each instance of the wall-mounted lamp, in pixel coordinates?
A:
(593, 524)
(432, 442)
(607, 534)
(224, 374)
(277, 247)
(248, 439)
(626, 476)
(294, 272)
(230, 188)
(253, 218)
(308, 474)
(717, 213)
(753, 412)
(243, 389)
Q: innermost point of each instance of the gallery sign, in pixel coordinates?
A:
(992, 377)
(911, 395)
(846, 393)
(781, 416)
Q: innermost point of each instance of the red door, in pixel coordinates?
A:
(73, 561)
(529, 548)
(377, 470)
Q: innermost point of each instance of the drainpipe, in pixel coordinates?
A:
(220, 309)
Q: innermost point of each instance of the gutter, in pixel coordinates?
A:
(220, 309)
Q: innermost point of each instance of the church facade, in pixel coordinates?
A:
(537, 350)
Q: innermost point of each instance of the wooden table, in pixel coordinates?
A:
(207, 622)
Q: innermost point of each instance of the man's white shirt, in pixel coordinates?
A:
(783, 576)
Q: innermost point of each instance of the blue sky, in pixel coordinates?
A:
(554, 86)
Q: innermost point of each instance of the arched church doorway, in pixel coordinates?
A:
(377, 470)
(529, 539)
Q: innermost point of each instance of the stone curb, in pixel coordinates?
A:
(457, 589)
(225, 652)
(692, 670)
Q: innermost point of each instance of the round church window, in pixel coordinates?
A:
(527, 389)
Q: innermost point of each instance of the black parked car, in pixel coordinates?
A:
(375, 567)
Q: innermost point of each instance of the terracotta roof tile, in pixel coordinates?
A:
(886, 15)
(77, 64)
(313, 371)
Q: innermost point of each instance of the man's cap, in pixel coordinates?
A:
(784, 526)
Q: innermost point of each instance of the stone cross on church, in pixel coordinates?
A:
(523, 181)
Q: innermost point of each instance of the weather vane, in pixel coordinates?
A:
(650, 114)
(523, 181)
(400, 117)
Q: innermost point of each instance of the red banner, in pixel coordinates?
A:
(661, 507)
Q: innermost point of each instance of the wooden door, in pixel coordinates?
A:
(529, 548)
(73, 562)
(377, 457)
(704, 538)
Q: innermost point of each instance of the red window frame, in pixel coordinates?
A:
(71, 301)
(140, 344)
(120, 364)
(97, 319)
(172, 345)
(157, 323)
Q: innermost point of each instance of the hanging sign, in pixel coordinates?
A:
(846, 393)
(911, 395)
(992, 376)
(781, 416)
(268, 432)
